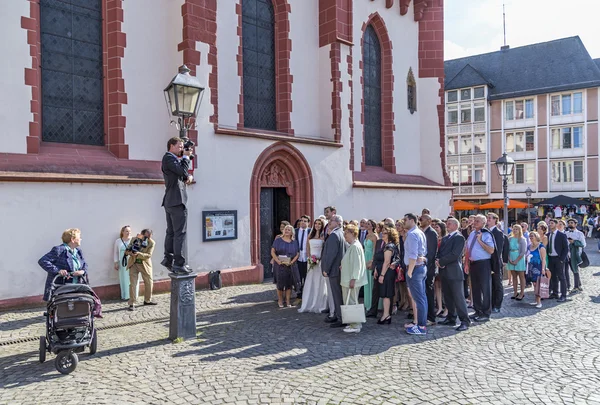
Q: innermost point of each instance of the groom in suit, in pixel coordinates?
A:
(302, 237)
(175, 165)
(449, 259)
(331, 261)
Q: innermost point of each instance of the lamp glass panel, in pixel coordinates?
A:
(172, 100)
(189, 98)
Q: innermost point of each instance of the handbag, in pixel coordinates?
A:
(353, 313)
(543, 287)
(585, 260)
(214, 280)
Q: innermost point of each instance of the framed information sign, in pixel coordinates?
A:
(219, 225)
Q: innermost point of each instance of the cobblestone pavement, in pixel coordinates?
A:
(248, 351)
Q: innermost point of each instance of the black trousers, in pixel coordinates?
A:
(481, 283)
(176, 238)
(430, 292)
(455, 300)
(497, 289)
(336, 292)
(375, 297)
(567, 275)
(557, 268)
(302, 269)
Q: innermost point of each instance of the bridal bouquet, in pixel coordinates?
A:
(313, 261)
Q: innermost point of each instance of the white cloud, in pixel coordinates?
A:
(475, 26)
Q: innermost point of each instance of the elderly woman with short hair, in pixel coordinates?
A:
(285, 253)
(66, 260)
(354, 272)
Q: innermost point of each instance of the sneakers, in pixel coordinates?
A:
(538, 306)
(352, 329)
(416, 330)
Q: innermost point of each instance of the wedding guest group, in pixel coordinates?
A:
(434, 269)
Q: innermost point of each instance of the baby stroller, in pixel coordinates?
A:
(69, 324)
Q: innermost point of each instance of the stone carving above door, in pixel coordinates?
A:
(275, 176)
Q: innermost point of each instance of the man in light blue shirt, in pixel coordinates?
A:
(415, 251)
(480, 247)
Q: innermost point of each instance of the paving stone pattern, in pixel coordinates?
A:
(248, 351)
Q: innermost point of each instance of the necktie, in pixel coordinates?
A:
(301, 240)
(472, 244)
(550, 240)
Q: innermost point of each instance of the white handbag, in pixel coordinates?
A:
(353, 313)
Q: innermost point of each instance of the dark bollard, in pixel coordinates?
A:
(182, 322)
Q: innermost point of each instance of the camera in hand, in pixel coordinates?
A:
(188, 145)
(137, 245)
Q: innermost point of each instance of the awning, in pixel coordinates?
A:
(563, 200)
(500, 204)
(460, 205)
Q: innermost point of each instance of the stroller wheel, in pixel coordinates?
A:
(94, 343)
(42, 349)
(66, 361)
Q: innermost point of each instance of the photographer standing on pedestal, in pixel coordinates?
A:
(175, 165)
(140, 251)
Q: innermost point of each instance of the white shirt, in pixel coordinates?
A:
(576, 235)
(302, 237)
(553, 236)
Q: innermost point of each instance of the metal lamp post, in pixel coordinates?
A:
(528, 193)
(183, 96)
(505, 165)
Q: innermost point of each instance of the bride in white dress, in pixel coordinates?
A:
(314, 294)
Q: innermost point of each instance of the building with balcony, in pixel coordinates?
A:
(539, 103)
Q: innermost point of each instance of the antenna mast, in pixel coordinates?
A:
(504, 22)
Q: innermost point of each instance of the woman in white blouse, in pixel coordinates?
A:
(119, 252)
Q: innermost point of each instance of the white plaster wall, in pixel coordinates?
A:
(404, 34)
(229, 81)
(151, 61)
(427, 102)
(38, 213)
(15, 96)
(304, 67)
(322, 97)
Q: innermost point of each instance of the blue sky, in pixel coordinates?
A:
(475, 26)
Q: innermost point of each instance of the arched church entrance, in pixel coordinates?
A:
(281, 188)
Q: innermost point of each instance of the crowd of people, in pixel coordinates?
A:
(434, 269)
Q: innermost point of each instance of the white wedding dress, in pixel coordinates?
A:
(314, 294)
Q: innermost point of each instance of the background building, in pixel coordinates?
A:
(307, 104)
(539, 103)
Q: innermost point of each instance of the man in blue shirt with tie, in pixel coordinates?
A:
(480, 247)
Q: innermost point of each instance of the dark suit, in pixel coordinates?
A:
(302, 265)
(175, 173)
(362, 236)
(432, 244)
(334, 249)
(452, 274)
(556, 264)
(497, 287)
(60, 258)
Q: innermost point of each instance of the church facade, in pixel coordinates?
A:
(306, 104)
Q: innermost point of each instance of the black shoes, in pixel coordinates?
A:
(371, 314)
(497, 310)
(336, 324)
(481, 318)
(168, 263)
(330, 319)
(448, 322)
(181, 269)
(150, 303)
(462, 327)
(325, 311)
(131, 308)
(553, 296)
(562, 299)
(387, 321)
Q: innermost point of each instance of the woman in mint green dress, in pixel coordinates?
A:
(370, 241)
(119, 251)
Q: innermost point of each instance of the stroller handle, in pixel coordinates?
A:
(83, 278)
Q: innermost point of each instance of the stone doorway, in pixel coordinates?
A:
(279, 167)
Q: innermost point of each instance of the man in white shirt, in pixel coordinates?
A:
(573, 234)
(302, 238)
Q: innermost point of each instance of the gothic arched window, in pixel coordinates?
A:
(372, 97)
(258, 55)
(411, 91)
